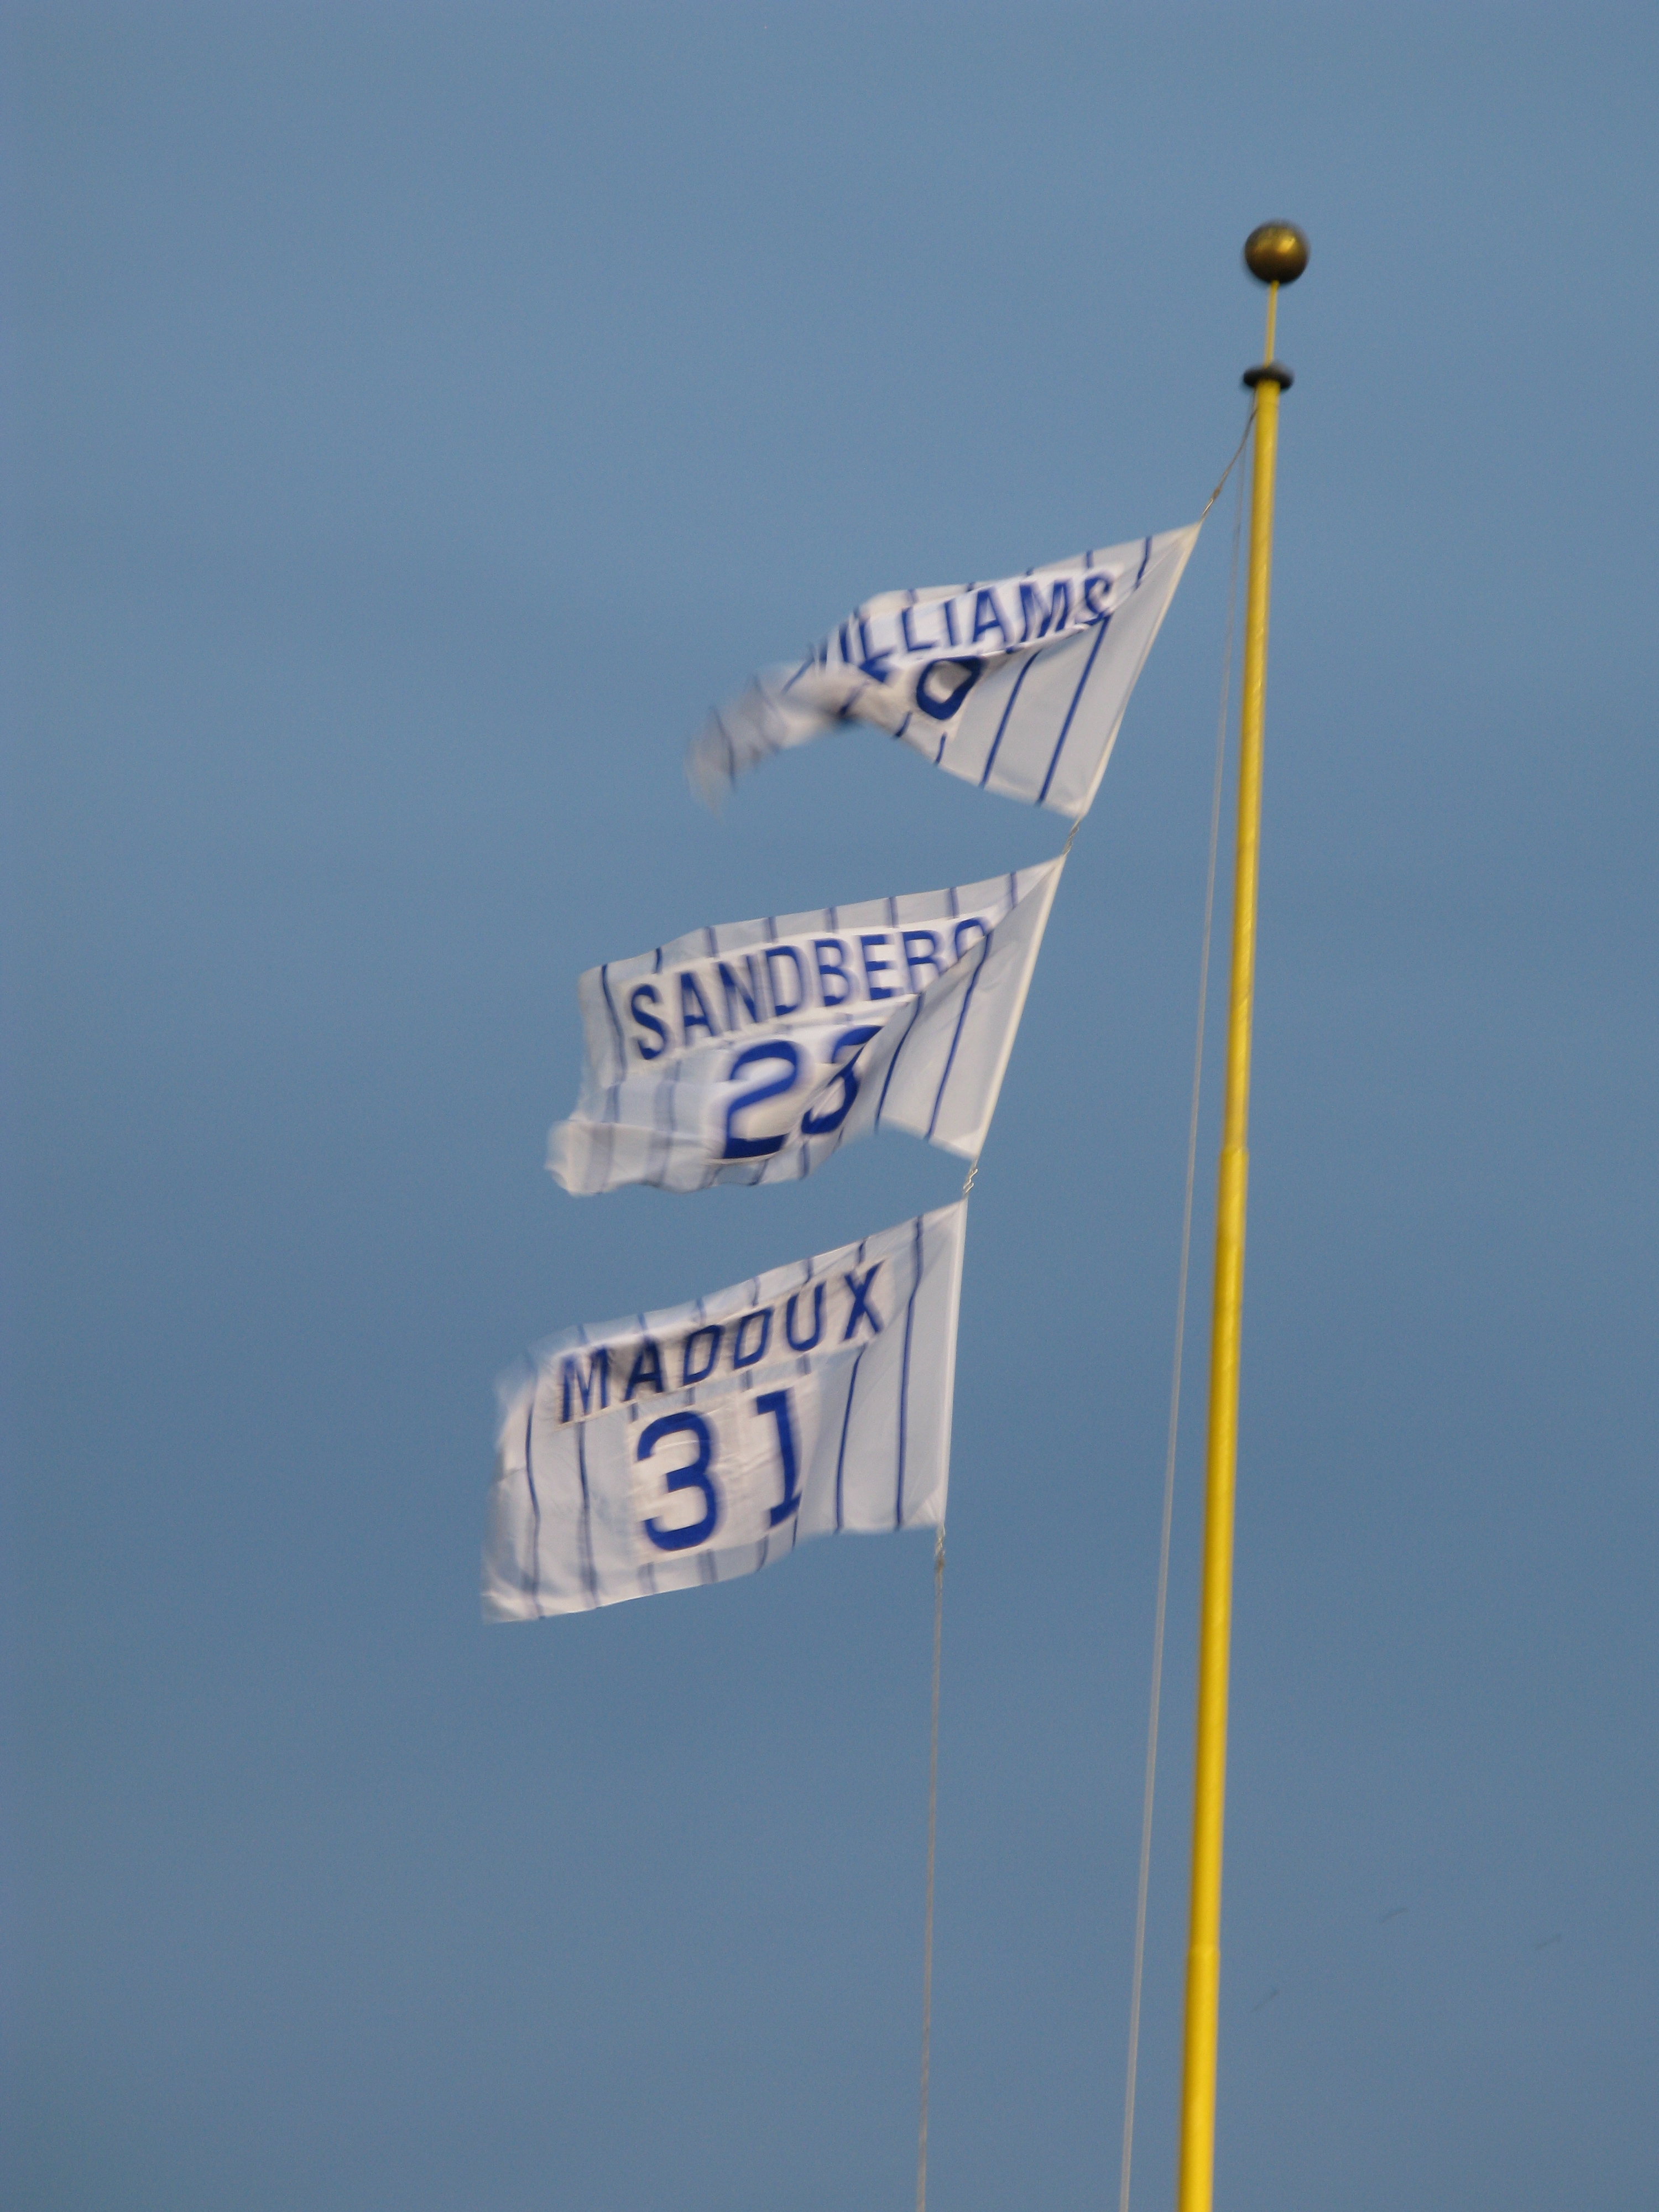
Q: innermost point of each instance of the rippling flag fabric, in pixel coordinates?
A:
(749, 1052)
(1018, 685)
(705, 1441)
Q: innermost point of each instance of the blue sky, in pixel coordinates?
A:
(415, 418)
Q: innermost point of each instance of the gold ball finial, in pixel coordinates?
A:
(1276, 253)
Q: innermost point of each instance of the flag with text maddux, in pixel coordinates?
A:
(1018, 685)
(703, 1442)
(748, 1053)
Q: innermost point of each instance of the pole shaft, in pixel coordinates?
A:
(1197, 2168)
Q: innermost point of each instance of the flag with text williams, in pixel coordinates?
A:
(1018, 685)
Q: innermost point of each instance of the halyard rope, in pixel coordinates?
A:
(932, 1822)
(933, 1827)
(1250, 423)
(1180, 1338)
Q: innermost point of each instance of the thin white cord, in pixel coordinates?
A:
(933, 1816)
(1180, 1339)
(1248, 421)
(932, 1823)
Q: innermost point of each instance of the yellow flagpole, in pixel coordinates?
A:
(1278, 254)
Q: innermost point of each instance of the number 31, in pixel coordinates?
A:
(698, 1473)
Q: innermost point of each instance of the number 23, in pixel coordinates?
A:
(843, 1056)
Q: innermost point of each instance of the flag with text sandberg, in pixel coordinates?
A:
(703, 1442)
(750, 1052)
(1018, 685)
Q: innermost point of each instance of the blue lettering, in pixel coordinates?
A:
(646, 1368)
(694, 1008)
(822, 946)
(862, 1308)
(754, 1148)
(597, 1377)
(987, 617)
(914, 644)
(1098, 580)
(795, 1344)
(873, 664)
(647, 1022)
(776, 1403)
(847, 1046)
(1057, 613)
(713, 1332)
(874, 967)
(740, 1357)
(942, 706)
(928, 959)
(969, 921)
(749, 999)
(693, 1476)
(950, 622)
(775, 952)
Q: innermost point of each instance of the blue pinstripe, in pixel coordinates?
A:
(881, 1103)
(590, 1577)
(990, 757)
(1065, 726)
(535, 1581)
(846, 1422)
(904, 1383)
(605, 985)
(955, 1037)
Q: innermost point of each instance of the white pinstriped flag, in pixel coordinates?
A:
(750, 1052)
(704, 1442)
(1018, 685)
